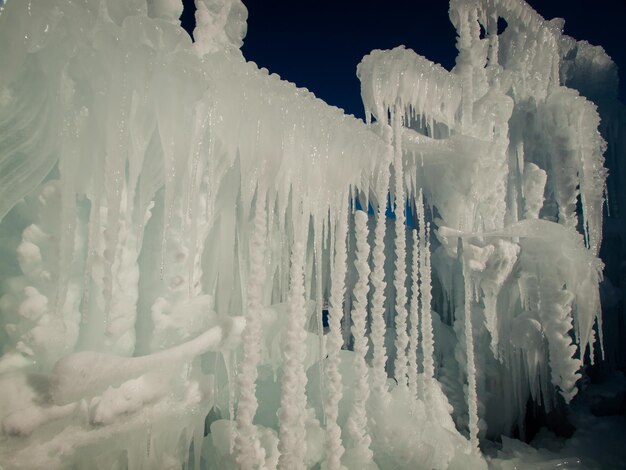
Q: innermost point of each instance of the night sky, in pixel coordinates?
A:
(317, 44)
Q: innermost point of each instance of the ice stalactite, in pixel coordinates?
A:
(70, 132)
(472, 391)
(334, 342)
(200, 197)
(293, 400)
(425, 296)
(578, 175)
(555, 306)
(378, 326)
(250, 454)
(357, 419)
(414, 311)
(402, 339)
(319, 232)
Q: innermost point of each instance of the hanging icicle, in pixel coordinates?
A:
(414, 316)
(357, 420)
(248, 449)
(428, 341)
(378, 326)
(292, 414)
(472, 395)
(334, 342)
(402, 339)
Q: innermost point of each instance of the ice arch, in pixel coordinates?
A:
(176, 221)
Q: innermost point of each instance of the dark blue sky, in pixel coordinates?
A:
(317, 44)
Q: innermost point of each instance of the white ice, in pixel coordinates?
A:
(178, 225)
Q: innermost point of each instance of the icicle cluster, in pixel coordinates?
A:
(176, 225)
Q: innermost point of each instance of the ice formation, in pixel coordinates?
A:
(199, 268)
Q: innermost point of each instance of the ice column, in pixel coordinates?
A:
(292, 414)
(472, 397)
(378, 328)
(357, 419)
(249, 453)
(334, 446)
(402, 340)
(414, 317)
(428, 348)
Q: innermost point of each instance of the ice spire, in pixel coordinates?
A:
(334, 446)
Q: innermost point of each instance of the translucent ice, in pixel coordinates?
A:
(204, 265)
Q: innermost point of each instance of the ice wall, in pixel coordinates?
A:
(189, 277)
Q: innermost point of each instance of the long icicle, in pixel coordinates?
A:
(334, 342)
(428, 348)
(378, 328)
(357, 419)
(249, 452)
(402, 339)
(292, 415)
(318, 237)
(414, 316)
(472, 395)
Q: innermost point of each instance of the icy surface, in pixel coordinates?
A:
(204, 266)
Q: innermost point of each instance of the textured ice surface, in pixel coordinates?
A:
(189, 276)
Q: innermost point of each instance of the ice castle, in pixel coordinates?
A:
(204, 266)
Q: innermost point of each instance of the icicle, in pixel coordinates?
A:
(334, 342)
(249, 452)
(93, 240)
(554, 309)
(321, 244)
(347, 310)
(292, 414)
(193, 202)
(426, 296)
(230, 363)
(378, 327)
(600, 335)
(402, 339)
(67, 228)
(357, 419)
(428, 348)
(472, 397)
(318, 237)
(414, 317)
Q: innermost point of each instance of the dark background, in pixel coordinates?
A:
(318, 44)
